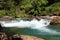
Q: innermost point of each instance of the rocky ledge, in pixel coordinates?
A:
(55, 20)
(3, 36)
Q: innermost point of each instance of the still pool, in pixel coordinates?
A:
(34, 32)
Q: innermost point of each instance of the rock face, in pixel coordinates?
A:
(3, 36)
(55, 20)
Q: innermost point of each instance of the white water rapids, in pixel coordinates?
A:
(33, 24)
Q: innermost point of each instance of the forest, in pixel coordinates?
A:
(20, 8)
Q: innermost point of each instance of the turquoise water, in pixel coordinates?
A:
(34, 32)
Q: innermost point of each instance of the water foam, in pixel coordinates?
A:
(33, 24)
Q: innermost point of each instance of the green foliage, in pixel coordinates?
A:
(9, 4)
(53, 7)
(34, 7)
(2, 13)
(19, 8)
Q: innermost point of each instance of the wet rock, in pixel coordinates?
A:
(25, 37)
(16, 37)
(7, 17)
(3, 36)
(55, 20)
(46, 17)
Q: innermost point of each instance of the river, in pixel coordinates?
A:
(41, 29)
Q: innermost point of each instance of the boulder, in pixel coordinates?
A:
(55, 20)
(3, 36)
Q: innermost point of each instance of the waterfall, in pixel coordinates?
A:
(40, 25)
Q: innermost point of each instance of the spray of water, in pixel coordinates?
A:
(33, 24)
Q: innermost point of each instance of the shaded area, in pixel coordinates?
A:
(50, 2)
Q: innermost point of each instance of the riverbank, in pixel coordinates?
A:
(55, 20)
(3, 36)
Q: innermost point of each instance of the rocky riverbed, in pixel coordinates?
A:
(3, 36)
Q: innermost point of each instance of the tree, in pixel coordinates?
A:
(34, 7)
(19, 8)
